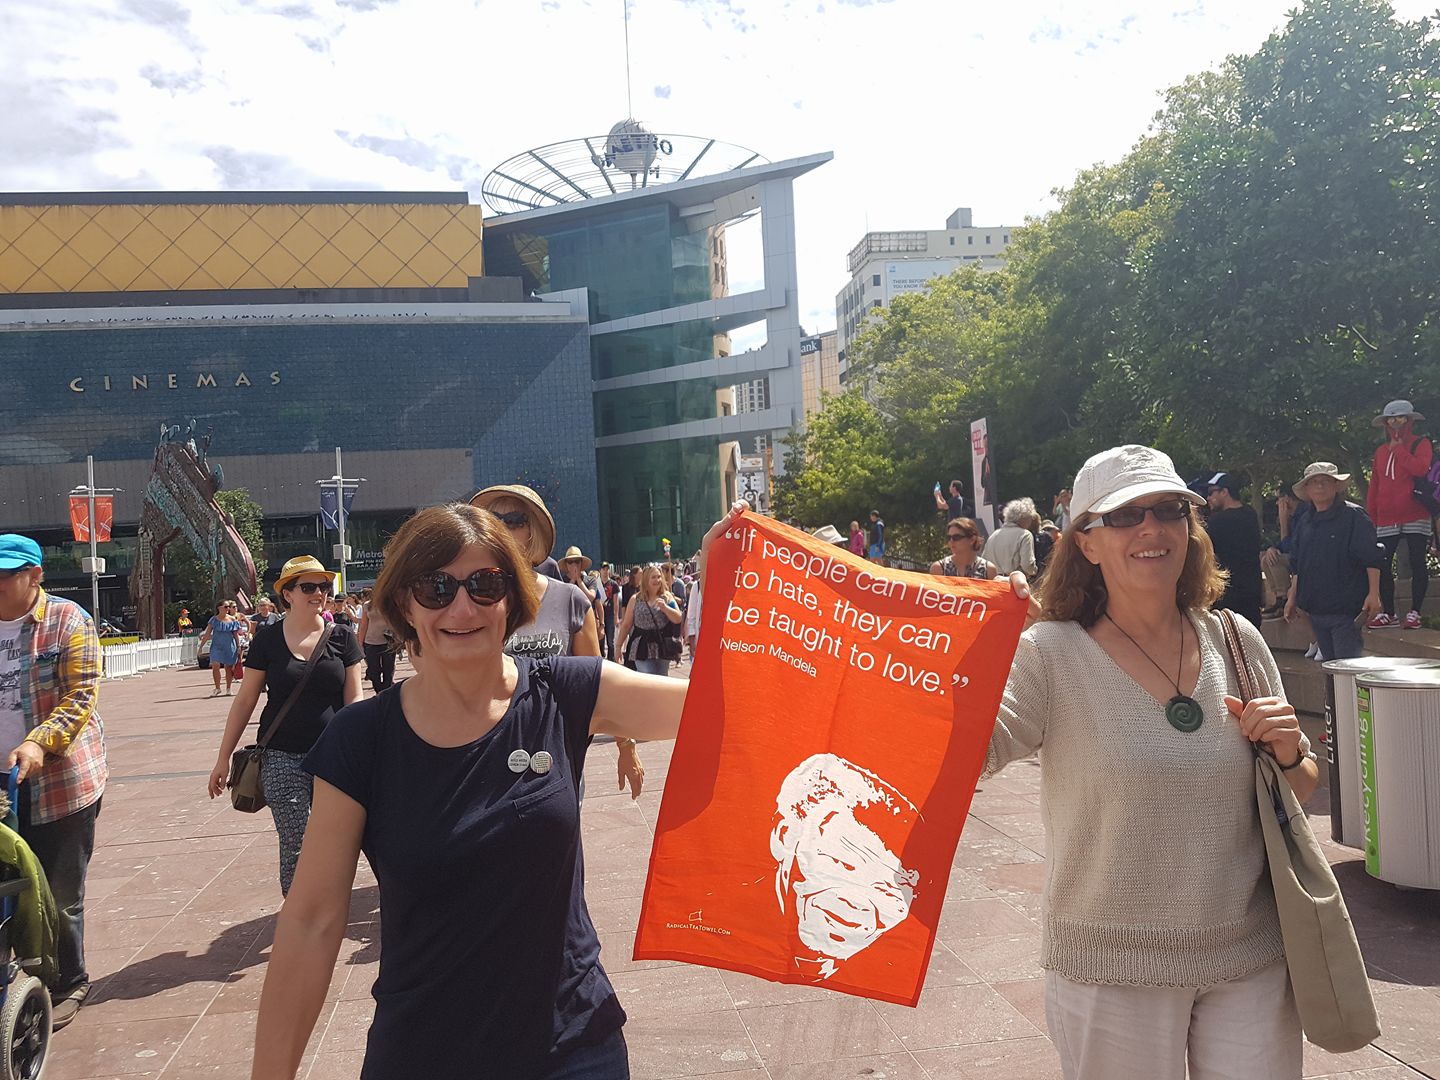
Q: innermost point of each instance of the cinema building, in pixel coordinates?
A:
(575, 344)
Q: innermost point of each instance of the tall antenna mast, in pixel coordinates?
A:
(629, 103)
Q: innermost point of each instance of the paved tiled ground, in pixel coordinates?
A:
(183, 896)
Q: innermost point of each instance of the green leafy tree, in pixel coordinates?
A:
(193, 577)
(1293, 289)
(1243, 289)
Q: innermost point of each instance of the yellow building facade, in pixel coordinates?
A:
(312, 241)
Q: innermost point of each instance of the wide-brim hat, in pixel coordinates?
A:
(1122, 474)
(1398, 407)
(541, 523)
(573, 553)
(1319, 468)
(299, 567)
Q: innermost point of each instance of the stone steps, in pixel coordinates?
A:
(1305, 679)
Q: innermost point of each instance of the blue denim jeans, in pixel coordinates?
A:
(64, 848)
(608, 1060)
(1338, 636)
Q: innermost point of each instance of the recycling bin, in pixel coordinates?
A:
(1347, 816)
(1398, 722)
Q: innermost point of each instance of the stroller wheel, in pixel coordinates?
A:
(25, 1028)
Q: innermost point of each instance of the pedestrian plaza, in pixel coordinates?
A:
(182, 899)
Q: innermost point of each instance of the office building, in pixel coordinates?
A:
(884, 265)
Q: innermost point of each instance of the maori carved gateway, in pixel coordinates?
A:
(180, 501)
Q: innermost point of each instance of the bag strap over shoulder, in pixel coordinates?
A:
(1236, 647)
(310, 665)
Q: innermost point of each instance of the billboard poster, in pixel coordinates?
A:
(982, 463)
(835, 728)
(914, 275)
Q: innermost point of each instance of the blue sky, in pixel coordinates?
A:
(926, 104)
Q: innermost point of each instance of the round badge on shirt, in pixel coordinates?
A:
(519, 761)
(542, 762)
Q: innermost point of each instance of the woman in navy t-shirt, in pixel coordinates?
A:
(461, 787)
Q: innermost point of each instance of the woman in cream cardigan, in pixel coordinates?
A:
(1161, 941)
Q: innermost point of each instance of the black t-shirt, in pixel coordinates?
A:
(324, 694)
(1235, 534)
(489, 964)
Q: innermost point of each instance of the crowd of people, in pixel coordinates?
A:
(462, 784)
(1327, 560)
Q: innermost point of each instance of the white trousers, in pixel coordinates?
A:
(1246, 1029)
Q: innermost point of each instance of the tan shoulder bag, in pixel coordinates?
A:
(1327, 972)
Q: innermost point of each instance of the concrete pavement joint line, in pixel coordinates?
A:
(744, 1026)
(143, 777)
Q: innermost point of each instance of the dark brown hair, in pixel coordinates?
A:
(1073, 589)
(433, 538)
(967, 527)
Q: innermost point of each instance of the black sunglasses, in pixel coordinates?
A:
(310, 588)
(514, 519)
(1127, 517)
(438, 589)
(956, 536)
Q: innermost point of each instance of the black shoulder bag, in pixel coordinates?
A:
(247, 790)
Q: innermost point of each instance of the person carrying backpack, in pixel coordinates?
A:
(1398, 510)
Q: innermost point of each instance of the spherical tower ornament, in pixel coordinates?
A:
(595, 166)
(631, 148)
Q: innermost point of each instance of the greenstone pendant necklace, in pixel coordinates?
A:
(1183, 711)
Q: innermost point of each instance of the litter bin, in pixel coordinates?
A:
(1398, 714)
(1342, 745)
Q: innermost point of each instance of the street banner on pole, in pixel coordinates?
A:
(835, 727)
(80, 517)
(982, 463)
(327, 504)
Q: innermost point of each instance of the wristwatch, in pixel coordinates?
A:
(1304, 757)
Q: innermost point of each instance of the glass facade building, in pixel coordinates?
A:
(427, 410)
(652, 264)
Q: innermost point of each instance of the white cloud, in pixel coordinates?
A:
(927, 104)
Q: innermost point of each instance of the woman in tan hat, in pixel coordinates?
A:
(276, 662)
(564, 624)
(575, 568)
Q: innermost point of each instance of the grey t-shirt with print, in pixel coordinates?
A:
(561, 615)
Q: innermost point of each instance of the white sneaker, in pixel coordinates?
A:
(1313, 652)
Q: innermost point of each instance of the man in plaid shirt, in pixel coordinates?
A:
(49, 682)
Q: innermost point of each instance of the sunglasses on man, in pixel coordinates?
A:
(438, 589)
(1127, 517)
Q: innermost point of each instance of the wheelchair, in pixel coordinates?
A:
(24, 1000)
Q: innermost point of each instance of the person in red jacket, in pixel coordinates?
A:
(1397, 514)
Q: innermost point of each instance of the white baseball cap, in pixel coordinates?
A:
(1120, 475)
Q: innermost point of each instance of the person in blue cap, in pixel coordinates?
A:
(50, 728)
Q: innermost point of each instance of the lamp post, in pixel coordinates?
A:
(94, 565)
(340, 482)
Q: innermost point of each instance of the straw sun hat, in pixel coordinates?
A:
(542, 525)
